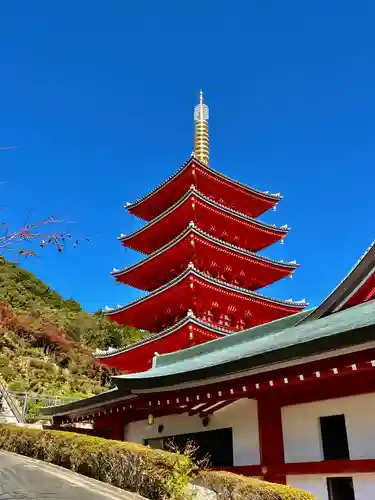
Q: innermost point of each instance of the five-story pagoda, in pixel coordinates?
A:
(201, 269)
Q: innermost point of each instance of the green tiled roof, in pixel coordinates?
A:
(274, 342)
(178, 357)
(237, 339)
(278, 341)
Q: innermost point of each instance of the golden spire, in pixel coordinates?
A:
(201, 139)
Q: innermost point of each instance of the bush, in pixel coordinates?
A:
(155, 474)
(230, 486)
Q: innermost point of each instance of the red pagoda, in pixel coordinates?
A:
(201, 269)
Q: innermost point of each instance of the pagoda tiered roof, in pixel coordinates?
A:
(187, 332)
(222, 303)
(213, 218)
(201, 237)
(219, 258)
(211, 183)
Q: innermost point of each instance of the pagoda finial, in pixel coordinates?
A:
(201, 139)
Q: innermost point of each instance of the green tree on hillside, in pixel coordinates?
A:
(47, 343)
(25, 292)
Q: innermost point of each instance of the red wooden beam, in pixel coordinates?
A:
(360, 466)
(330, 467)
(370, 295)
(244, 470)
(213, 409)
(351, 364)
(361, 383)
(201, 408)
(324, 378)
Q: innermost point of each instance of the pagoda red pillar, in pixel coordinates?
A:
(271, 440)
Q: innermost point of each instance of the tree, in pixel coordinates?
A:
(36, 231)
(33, 231)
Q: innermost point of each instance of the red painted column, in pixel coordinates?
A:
(271, 439)
(110, 426)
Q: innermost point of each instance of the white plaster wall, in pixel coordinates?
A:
(241, 415)
(316, 485)
(301, 427)
(364, 485)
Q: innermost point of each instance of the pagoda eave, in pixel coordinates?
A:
(209, 216)
(242, 267)
(210, 297)
(246, 199)
(137, 357)
(200, 243)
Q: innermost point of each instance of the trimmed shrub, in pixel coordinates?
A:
(155, 474)
(230, 486)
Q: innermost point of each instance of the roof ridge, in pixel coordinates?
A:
(155, 336)
(191, 270)
(324, 305)
(355, 265)
(193, 228)
(265, 194)
(282, 229)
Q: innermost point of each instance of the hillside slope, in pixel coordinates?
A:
(46, 342)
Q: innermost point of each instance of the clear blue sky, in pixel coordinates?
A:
(99, 97)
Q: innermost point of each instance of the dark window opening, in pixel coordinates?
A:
(334, 437)
(217, 445)
(340, 488)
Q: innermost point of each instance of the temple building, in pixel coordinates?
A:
(292, 401)
(288, 395)
(201, 270)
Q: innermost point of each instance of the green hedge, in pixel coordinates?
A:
(155, 474)
(230, 486)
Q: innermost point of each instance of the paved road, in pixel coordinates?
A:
(22, 478)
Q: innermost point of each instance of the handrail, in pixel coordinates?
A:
(19, 408)
(11, 403)
(44, 396)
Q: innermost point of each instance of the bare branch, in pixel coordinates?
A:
(34, 232)
(31, 232)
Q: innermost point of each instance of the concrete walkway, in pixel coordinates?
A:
(23, 478)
